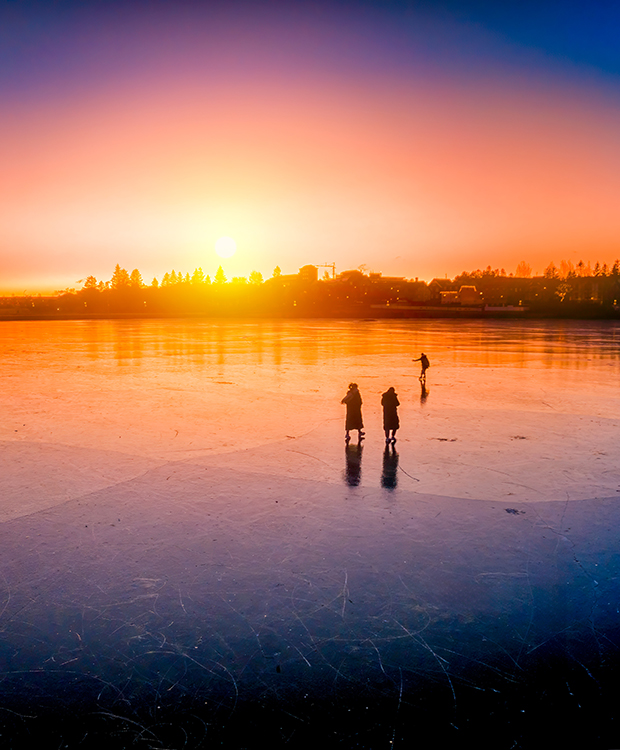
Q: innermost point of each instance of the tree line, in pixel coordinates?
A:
(564, 290)
(566, 270)
(123, 279)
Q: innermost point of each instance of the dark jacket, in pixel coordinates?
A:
(353, 401)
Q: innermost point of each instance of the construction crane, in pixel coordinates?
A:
(328, 265)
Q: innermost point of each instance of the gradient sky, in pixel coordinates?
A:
(415, 139)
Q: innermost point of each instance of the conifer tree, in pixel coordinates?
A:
(198, 276)
(135, 279)
(120, 278)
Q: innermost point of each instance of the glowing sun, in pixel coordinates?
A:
(225, 247)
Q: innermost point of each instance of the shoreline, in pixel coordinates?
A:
(425, 314)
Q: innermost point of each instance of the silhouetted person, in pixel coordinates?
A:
(390, 403)
(390, 468)
(353, 470)
(353, 402)
(423, 360)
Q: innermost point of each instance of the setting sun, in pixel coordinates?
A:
(225, 247)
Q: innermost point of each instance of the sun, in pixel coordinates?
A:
(225, 247)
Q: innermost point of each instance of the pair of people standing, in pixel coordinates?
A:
(353, 402)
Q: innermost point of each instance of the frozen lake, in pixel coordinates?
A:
(191, 557)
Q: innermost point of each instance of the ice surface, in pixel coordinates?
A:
(191, 556)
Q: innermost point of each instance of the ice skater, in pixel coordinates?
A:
(390, 404)
(353, 401)
(423, 360)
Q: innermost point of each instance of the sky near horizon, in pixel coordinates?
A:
(413, 139)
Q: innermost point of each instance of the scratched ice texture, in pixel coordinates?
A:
(191, 557)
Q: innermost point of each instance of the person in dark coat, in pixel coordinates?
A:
(353, 401)
(390, 404)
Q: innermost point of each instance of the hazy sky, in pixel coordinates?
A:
(417, 139)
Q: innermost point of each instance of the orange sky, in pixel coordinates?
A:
(413, 175)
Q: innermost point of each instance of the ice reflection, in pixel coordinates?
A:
(551, 344)
(353, 469)
(129, 343)
(423, 392)
(389, 475)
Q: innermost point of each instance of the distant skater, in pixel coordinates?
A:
(353, 401)
(423, 360)
(390, 404)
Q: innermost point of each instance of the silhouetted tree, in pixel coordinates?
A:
(580, 269)
(120, 278)
(90, 283)
(256, 277)
(135, 279)
(198, 276)
(220, 276)
(277, 272)
(524, 270)
(551, 272)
